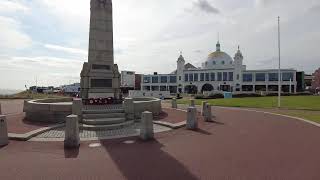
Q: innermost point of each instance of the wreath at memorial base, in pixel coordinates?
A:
(101, 101)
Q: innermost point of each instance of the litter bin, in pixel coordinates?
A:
(227, 95)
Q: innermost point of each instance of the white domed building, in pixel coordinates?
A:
(220, 73)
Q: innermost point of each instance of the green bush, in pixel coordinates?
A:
(246, 95)
(199, 96)
(216, 96)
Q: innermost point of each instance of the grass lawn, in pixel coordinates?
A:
(307, 107)
(287, 102)
(29, 95)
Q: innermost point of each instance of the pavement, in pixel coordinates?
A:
(240, 145)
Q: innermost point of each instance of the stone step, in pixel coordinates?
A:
(103, 121)
(105, 127)
(102, 111)
(107, 115)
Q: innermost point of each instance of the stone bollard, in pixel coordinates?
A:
(77, 106)
(192, 103)
(146, 131)
(72, 139)
(192, 122)
(4, 140)
(203, 107)
(129, 108)
(208, 113)
(174, 103)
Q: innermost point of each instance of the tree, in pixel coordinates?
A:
(316, 81)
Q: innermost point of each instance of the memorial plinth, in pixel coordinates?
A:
(100, 77)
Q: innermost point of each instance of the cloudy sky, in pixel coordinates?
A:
(47, 40)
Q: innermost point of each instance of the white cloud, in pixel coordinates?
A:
(7, 6)
(48, 70)
(12, 36)
(70, 12)
(66, 49)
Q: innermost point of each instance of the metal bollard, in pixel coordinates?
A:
(4, 139)
(146, 131)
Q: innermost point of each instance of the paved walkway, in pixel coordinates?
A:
(132, 130)
(241, 145)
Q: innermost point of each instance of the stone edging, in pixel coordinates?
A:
(29, 135)
(172, 125)
(91, 139)
(276, 114)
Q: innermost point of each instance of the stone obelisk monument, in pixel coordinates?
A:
(100, 77)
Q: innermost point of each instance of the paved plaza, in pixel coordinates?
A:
(238, 145)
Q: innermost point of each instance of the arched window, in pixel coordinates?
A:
(223, 63)
(214, 62)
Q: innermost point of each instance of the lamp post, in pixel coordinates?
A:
(279, 71)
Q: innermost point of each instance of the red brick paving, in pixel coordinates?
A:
(16, 121)
(240, 146)
(19, 125)
(172, 115)
(11, 106)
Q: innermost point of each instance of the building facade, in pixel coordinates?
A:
(220, 73)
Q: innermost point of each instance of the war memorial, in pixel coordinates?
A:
(103, 135)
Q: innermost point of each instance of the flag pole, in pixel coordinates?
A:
(279, 71)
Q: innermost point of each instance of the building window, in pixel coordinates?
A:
(230, 76)
(164, 79)
(146, 88)
(201, 76)
(247, 77)
(230, 62)
(260, 77)
(273, 77)
(179, 78)
(225, 76)
(173, 79)
(247, 88)
(287, 76)
(196, 77)
(238, 77)
(219, 76)
(207, 77)
(146, 79)
(213, 76)
(186, 77)
(214, 62)
(223, 62)
(163, 88)
(154, 88)
(190, 77)
(155, 79)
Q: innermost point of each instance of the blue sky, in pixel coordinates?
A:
(47, 40)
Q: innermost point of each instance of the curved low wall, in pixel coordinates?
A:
(146, 104)
(48, 110)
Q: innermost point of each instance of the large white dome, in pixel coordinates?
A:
(218, 59)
